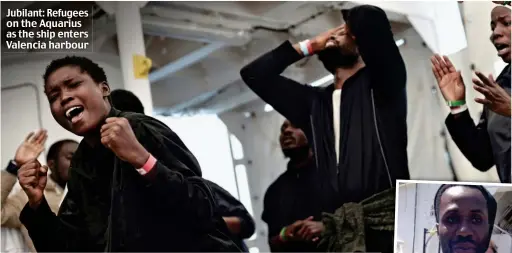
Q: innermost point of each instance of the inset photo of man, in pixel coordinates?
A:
(453, 217)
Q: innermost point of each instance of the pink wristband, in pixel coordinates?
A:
(310, 48)
(148, 166)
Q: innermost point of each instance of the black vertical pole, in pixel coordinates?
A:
(425, 231)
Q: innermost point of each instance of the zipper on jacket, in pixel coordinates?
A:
(378, 139)
(314, 140)
(314, 144)
(109, 227)
(112, 195)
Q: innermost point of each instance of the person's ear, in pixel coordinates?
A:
(51, 164)
(105, 89)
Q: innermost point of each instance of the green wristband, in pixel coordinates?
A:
(282, 234)
(456, 103)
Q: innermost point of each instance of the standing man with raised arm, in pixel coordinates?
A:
(357, 126)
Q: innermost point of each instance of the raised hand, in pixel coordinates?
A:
(33, 177)
(496, 98)
(321, 41)
(118, 136)
(31, 147)
(448, 78)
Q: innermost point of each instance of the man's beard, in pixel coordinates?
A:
(480, 248)
(334, 57)
(297, 152)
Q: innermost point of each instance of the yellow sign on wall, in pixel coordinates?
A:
(141, 66)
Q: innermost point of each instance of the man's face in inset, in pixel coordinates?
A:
(463, 221)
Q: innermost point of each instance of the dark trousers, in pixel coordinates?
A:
(379, 241)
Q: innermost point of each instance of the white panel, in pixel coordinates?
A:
(243, 187)
(498, 67)
(405, 216)
(426, 28)
(409, 8)
(425, 116)
(449, 27)
(439, 22)
(443, 31)
(502, 242)
(207, 138)
(254, 250)
(236, 148)
(19, 117)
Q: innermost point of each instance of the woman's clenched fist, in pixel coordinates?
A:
(33, 177)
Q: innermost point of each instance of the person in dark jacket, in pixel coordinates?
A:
(134, 185)
(290, 201)
(125, 100)
(237, 218)
(465, 215)
(356, 126)
(487, 143)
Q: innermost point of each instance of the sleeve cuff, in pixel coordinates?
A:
(243, 225)
(286, 52)
(33, 218)
(12, 168)
(458, 109)
(453, 123)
